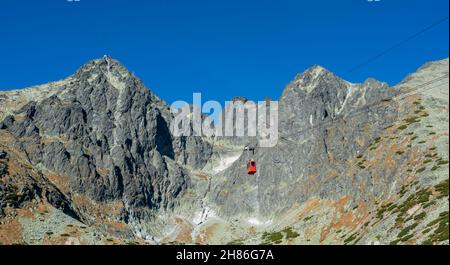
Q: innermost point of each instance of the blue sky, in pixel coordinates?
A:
(250, 48)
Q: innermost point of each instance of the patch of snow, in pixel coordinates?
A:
(351, 89)
(256, 222)
(200, 218)
(225, 163)
(362, 99)
(203, 215)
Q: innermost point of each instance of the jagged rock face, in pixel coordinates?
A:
(110, 134)
(355, 163)
(322, 124)
(3, 166)
(21, 185)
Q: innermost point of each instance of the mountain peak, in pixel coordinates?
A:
(317, 68)
(311, 77)
(313, 73)
(108, 60)
(106, 67)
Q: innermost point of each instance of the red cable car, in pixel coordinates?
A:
(251, 167)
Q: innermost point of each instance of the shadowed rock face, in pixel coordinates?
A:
(110, 134)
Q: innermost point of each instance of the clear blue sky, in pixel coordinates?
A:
(221, 48)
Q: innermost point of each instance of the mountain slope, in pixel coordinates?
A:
(90, 160)
(355, 163)
(101, 138)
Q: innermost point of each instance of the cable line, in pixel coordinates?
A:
(384, 52)
(368, 107)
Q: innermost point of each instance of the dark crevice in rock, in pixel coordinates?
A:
(164, 138)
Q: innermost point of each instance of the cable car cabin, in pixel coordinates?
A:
(251, 167)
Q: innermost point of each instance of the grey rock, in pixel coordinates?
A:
(320, 115)
(3, 169)
(110, 134)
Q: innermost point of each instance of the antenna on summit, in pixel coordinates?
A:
(107, 59)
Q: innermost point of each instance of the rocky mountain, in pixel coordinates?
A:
(91, 160)
(99, 136)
